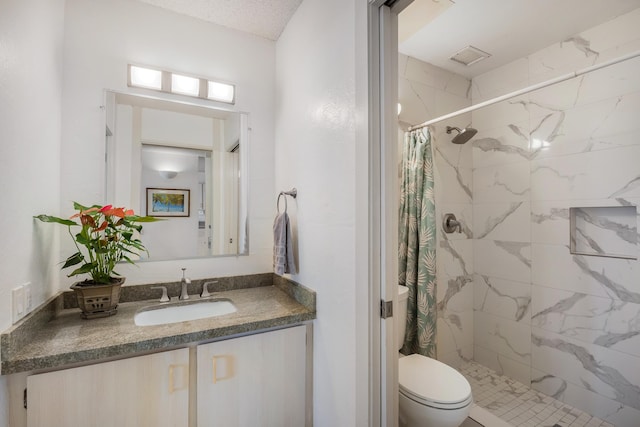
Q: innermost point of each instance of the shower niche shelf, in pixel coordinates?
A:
(610, 231)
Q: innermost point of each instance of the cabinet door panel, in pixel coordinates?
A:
(150, 390)
(258, 380)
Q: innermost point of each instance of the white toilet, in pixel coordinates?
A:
(432, 394)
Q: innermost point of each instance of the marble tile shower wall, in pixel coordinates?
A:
(568, 325)
(426, 92)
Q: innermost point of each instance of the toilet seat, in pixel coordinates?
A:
(432, 383)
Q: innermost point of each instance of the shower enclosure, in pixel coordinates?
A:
(541, 283)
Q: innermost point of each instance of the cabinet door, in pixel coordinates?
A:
(150, 390)
(257, 380)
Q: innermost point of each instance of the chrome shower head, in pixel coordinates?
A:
(463, 135)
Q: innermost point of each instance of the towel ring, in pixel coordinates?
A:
(285, 203)
(293, 193)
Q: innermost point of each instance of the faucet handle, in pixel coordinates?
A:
(205, 290)
(164, 297)
(184, 278)
(450, 223)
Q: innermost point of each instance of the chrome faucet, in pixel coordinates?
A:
(184, 281)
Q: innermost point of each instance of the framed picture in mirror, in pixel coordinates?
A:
(168, 202)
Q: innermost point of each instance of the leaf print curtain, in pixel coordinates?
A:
(417, 243)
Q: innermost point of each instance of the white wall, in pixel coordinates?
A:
(101, 38)
(319, 85)
(30, 92)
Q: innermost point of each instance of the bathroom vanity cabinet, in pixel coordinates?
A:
(151, 390)
(258, 379)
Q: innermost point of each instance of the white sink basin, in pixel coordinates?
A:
(183, 312)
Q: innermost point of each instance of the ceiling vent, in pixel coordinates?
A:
(469, 56)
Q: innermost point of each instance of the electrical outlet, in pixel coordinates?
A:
(28, 298)
(17, 302)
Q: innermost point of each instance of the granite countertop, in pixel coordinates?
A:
(64, 339)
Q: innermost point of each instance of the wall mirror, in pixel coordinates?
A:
(185, 163)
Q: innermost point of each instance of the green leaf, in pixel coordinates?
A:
(85, 268)
(135, 218)
(129, 260)
(137, 246)
(82, 239)
(49, 218)
(77, 206)
(74, 259)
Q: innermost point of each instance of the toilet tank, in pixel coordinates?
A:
(401, 319)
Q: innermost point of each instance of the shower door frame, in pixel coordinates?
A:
(383, 207)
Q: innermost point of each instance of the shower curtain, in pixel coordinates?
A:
(417, 243)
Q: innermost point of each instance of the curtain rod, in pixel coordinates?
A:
(528, 89)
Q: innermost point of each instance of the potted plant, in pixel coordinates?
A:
(106, 236)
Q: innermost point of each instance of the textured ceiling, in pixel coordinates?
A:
(264, 18)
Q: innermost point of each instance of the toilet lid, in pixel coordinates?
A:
(429, 380)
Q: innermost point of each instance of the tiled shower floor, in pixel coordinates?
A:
(520, 406)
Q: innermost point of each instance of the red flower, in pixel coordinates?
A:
(119, 212)
(87, 220)
(82, 213)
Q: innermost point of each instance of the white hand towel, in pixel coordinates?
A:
(283, 261)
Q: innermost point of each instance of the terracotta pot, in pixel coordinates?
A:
(98, 300)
